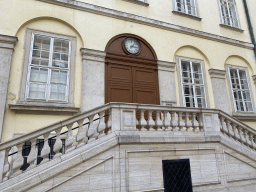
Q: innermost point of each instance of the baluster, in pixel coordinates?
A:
(230, 129)
(6, 167)
(242, 136)
(188, 123)
(159, 122)
(102, 125)
(70, 139)
(234, 127)
(250, 139)
(46, 149)
(58, 144)
(200, 120)
(223, 125)
(82, 134)
(167, 121)
(17, 161)
(151, 122)
(195, 123)
(240, 133)
(32, 155)
(109, 123)
(92, 132)
(253, 141)
(174, 121)
(246, 137)
(181, 123)
(142, 121)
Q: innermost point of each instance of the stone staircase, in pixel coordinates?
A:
(107, 135)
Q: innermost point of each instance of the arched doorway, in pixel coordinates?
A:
(131, 71)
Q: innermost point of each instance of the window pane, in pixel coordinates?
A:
(37, 91)
(58, 92)
(38, 75)
(59, 77)
(41, 42)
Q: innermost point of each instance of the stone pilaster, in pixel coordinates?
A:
(6, 50)
(93, 79)
(167, 88)
(220, 91)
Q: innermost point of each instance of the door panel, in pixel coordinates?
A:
(117, 93)
(131, 84)
(145, 96)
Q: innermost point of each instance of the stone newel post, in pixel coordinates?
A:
(6, 50)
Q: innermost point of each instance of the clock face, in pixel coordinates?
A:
(132, 45)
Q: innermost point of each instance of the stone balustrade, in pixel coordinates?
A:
(91, 125)
(237, 130)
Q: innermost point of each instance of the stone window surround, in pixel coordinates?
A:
(36, 105)
(238, 114)
(138, 2)
(207, 102)
(196, 16)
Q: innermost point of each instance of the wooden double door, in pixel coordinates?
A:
(131, 83)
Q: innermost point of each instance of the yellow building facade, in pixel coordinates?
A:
(55, 58)
(94, 23)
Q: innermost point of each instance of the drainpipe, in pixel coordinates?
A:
(250, 25)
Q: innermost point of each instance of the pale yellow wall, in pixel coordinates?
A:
(252, 7)
(162, 10)
(94, 31)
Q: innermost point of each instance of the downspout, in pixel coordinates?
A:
(250, 26)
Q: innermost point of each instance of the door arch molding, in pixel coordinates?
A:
(128, 77)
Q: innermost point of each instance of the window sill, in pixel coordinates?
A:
(55, 108)
(187, 15)
(137, 2)
(245, 117)
(232, 28)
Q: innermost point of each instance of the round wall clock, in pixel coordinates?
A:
(132, 45)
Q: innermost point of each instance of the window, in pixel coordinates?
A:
(229, 13)
(192, 82)
(48, 72)
(177, 175)
(48, 69)
(186, 6)
(240, 90)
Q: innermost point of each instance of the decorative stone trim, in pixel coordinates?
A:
(254, 79)
(246, 117)
(93, 55)
(217, 73)
(232, 28)
(138, 2)
(46, 108)
(166, 66)
(147, 21)
(7, 42)
(187, 15)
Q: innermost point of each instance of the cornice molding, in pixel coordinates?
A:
(217, 73)
(147, 21)
(7, 42)
(166, 66)
(93, 55)
(254, 79)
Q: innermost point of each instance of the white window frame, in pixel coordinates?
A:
(193, 84)
(231, 88)
(230, 20)
(49, 68)
(186, 7)
(68, 103)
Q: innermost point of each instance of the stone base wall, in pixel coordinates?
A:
(138, 167)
